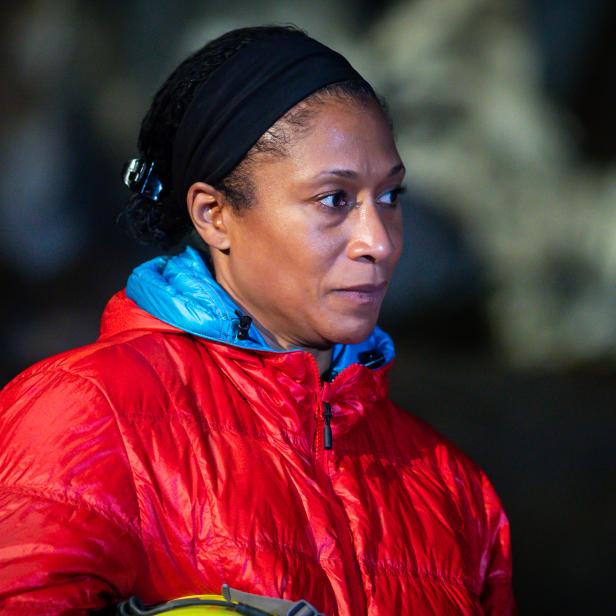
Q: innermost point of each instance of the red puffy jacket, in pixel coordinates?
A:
(159, 463)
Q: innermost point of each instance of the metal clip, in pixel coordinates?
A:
(139, 176)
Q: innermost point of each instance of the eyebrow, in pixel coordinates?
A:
(349, 173)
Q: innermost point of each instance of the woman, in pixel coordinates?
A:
(231, 424)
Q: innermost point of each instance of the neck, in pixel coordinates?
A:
(322, 356)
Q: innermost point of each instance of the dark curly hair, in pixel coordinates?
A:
(166, 222)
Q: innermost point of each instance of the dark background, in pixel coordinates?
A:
(504, 307)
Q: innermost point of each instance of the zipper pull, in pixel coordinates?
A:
(243, 326)
(327, 429)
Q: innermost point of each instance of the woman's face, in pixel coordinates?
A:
(311, 259)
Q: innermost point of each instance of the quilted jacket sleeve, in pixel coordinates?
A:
(68, 538)
(497, 597)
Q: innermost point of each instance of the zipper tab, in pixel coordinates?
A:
(243, 326)
(327, 429)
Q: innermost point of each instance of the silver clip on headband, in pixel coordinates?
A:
(140, 176)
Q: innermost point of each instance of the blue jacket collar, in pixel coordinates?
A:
(181, 291)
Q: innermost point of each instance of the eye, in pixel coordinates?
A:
(335, 201)
(392, 197)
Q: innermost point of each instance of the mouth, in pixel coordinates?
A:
(363, 294)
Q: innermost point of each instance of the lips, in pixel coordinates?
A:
(364, 293)
(366, 288)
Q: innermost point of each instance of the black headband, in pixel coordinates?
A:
(243, 97)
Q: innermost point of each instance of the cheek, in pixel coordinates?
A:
(297, 236)
(290, 253)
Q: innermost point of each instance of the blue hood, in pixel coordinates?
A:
(181, 291)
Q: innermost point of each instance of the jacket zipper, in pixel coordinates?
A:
(323, 441)
(327, 428)
(324, 435)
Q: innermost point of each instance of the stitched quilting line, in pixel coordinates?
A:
(398, 569)
(122, 440)
(296, 439)
(68, 498)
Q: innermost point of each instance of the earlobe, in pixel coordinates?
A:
(205, 208)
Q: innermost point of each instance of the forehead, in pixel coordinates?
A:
(344, 135)
(337, 134)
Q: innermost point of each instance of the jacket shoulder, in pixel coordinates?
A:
(413, 436)
(67, 492)
(91, 360)
(84, 404)
(126, 364)
(416, 443)
(427, 454)
(62, 426)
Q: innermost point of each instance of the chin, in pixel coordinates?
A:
(349, 330)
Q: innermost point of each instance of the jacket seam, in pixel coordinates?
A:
(395, 460)
(280, 548)
(177, 413)
(120, 433)
(53, 363)
(68, 498)
(297, 438)
(392, 568)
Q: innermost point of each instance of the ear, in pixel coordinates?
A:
(207, 210)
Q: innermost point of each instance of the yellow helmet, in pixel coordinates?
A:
(193, 605)
(231, 601)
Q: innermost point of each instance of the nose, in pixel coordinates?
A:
(372, 237)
